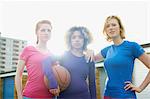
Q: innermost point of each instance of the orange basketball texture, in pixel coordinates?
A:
(62, 76)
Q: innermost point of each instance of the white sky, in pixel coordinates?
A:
(18, 19)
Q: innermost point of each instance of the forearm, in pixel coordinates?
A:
(92, 84)
(92, 88)
(98, 58)
(51, 77)
(18, 83)
(145, 82)
(47, 69)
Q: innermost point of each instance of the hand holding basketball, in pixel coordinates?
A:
(62, 76)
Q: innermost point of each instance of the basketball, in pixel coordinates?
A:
(62, 76)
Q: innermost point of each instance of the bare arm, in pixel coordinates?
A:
(91, 57)
(91, 79)
(98, 58)
(145, 59)
(18, 78)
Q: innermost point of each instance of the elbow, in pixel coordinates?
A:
(148, 66)
(18, 75)
(18, 78)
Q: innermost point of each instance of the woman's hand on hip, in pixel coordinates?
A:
(130, 86)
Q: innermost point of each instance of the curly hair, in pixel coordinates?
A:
(84, 31)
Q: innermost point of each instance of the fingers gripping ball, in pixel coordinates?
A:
(62, 76)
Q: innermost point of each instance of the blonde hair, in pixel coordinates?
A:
(122, 31)
(38, 25)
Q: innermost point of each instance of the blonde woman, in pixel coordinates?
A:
(119, 62)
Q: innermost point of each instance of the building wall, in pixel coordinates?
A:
(10, 85)
(100, 82)
(1, 84)
(98, 91)
(9, 53)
